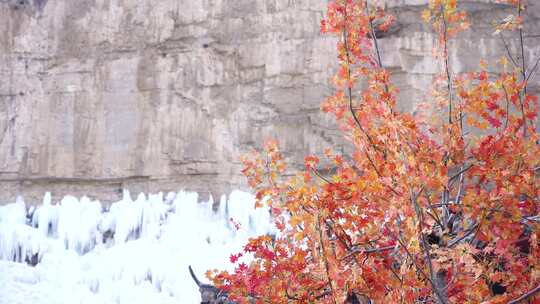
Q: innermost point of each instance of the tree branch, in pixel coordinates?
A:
(508, 51)
(326, 264)
(447, 65)
(434, 287)
(526, 295)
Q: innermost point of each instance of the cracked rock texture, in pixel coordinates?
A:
(158, 95)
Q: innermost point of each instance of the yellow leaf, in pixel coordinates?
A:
(503, 61)
(483, 64)
(426, 15)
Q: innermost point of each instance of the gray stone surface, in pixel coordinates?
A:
(150, 95)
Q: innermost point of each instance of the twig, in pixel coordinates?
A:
(533, 70)
(435, 215)
(507, 106)
(526, 295)
(322, 177)
(523, 72)
(374, 37)
(508, 51)
(463, 170)
(435, 289)
(446, 65)
(349, 88)
(369, 250)
(532, 219)
(459, 239)
(522, 46)
(460, 187)
(425, 246)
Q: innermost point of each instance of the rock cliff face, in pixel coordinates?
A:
(99, 95)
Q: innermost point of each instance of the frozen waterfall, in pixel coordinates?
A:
(136, 251)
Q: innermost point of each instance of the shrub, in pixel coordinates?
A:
(438, 210)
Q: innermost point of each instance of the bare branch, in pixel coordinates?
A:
(447, 65)
(370, 250)
(438, 293)
(522, 47)
(463, 170)
(523, 71)
(464, 236)
(533, 70)
(526, 295)
(508, 51)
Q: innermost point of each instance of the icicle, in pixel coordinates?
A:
(45, 217)
(170, 198)
(152, 214)
(18, 241)
(125, 217)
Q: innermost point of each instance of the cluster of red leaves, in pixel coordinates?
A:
(419, 212)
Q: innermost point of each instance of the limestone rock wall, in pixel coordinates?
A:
(100, 95)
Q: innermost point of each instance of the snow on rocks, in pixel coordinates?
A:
(134, 252)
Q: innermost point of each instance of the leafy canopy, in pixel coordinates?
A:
(434, 208)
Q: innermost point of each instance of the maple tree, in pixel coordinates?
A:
(437, 208)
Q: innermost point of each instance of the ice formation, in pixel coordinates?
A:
(133, 252)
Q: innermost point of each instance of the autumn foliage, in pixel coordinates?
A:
(435, 208)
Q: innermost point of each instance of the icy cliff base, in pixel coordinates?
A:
(133, 252)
